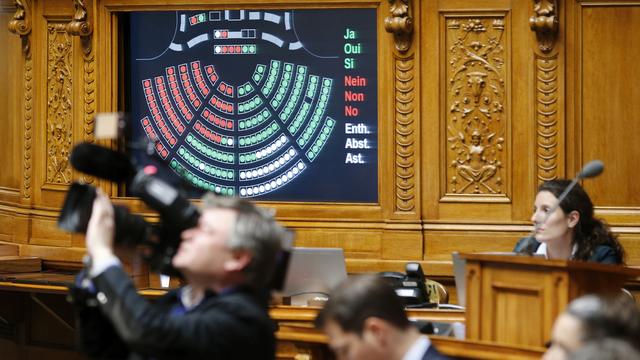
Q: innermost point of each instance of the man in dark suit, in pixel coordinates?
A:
(365, 319)
(227, 261)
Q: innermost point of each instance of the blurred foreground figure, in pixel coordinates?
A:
(606, 349)
(365, 319)
(592, 318)
(227, 261)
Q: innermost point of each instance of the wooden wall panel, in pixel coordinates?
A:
(37, 326)
(479, 124)
(7, 227)
(630, 243)
(484, 122)
(476, 85)
(21, 25)
(56, 58)
(467, 239)
(602, 111)
(475, 110)
(607, 106)
(10, 103)
(46, 232)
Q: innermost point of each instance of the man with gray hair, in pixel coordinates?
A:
(227, 260)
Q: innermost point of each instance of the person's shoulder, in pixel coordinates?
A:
(238, 303)
(247, 319)
(528, 243)
(433, 354)
(605, 254)
(523, 239)
(112, 279)
(169, 298)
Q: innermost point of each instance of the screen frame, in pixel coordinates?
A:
(125, 66)
(370, 218)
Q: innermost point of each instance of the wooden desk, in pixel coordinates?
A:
(298, 339)
(37, 322)
(505, 292)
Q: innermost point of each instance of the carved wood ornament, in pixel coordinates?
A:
(400, 25)
(59, 103)
(545, 23)
(21, 26)
(405, 172)
(475, 103)
(81, 26)
(547, 117)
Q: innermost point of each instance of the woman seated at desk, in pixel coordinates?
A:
(570, 232)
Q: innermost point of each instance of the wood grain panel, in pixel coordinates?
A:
(21, 25)
(54, 253)
(10, 101)
(515, 294)
(7, 227)
(46, 232)
(603, 77)
(607, 96)
(440, 244)
(631, 242)
(516, 303)
(367, 244)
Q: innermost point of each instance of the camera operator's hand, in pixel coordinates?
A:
(101, 228)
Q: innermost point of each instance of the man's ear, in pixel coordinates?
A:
(376, 329)
(239, 260)
(574, 218)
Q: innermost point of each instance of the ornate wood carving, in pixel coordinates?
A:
(545, 23)
(89, 78)
(21, 25)
(475, 101)
(28, 123)
(546, 117)
(405, 134)
(59, 102)
(400, 24)
(80, 26)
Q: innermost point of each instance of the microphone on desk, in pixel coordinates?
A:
(530, 244)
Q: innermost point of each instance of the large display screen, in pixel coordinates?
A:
(265, 104)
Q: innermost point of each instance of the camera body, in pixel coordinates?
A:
(176, 212)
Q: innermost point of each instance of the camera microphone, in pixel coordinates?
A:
(101, 162)
(176, 211)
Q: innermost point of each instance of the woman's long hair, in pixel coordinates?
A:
(590, 232)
